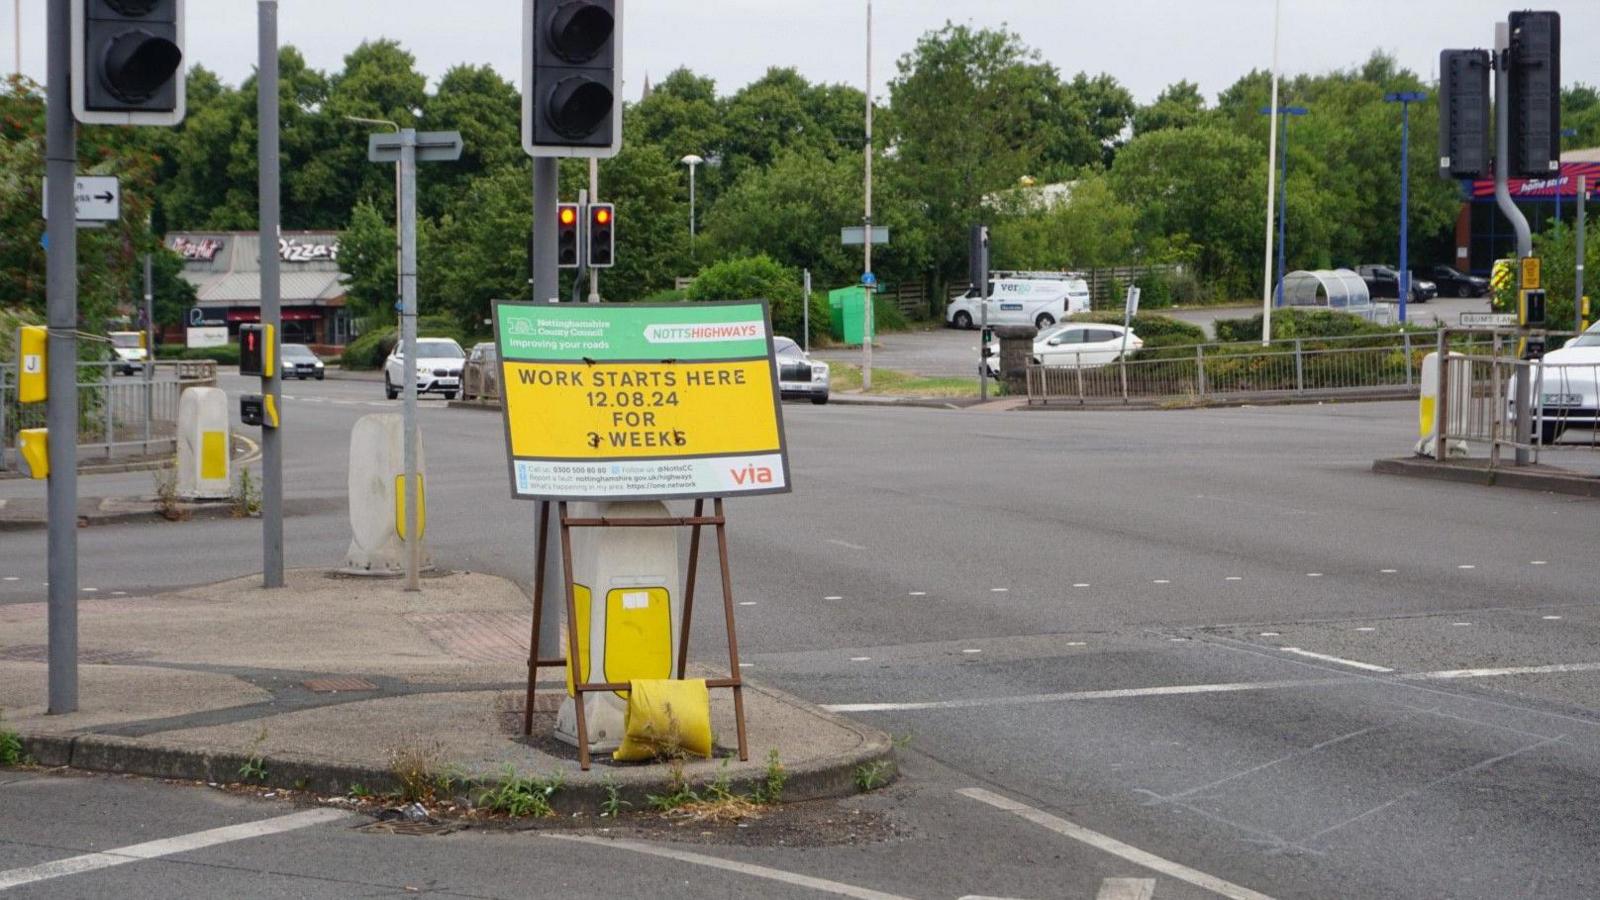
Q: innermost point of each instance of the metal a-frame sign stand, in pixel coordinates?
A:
(695, 523)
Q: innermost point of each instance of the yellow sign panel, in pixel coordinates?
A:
(1530, 273)
(577, 411)
(32, 344)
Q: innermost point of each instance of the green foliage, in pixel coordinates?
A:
(1558, 250)
(11, 753)
(1089, 230)
(1288, 324)
(370, 349)
(225, 355)
(246, 494)
(770, 791)
(612, 805)
(360, 791)
(518, 796)
(253, 769)
(761, 278)
(873, 775)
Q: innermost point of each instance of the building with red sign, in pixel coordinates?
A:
(225, 269)
(1483, 235)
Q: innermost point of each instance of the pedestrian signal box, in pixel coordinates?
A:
(256, 353)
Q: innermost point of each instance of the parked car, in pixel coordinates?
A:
(1384, 281)
(437, 370)
(1040, 299)
(480, 379)
(1075, 345)
(1454, 283)
(799, 376)
(299, 362)
(1567, 385)
(130, 350)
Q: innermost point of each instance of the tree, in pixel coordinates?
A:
(1180, 105)
(367, 255)
(758, 278)
(1092, 229)
(487, 110)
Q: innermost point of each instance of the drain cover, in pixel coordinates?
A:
(415, 829)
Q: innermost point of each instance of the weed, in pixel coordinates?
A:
(360, 791)
(11, 749)
(679, 791)
(167, 504)
(873, 775)
(518, 797)
(902, 741)
(254, 768)
(300, 784)
(246, 495)
(612, 805)
(770, 791)
(415, 768)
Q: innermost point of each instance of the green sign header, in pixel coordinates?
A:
(631, 332)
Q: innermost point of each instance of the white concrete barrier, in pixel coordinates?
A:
(1459, 409)
(630, 613)
(377, 497)
(204, 461)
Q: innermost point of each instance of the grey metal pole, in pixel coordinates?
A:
(149, 351)
(61, 287)
(805, 313)
(866, 264)
(983, 316)
(408, 335)
(1508, 208)
(594, 197)
(545, 285)
(583, 250)
(1577, 293)
(271, 311)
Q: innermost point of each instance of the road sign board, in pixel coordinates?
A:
(869, 279)
(1488, 320)
(1134, 294)
(635, 401)
(98, 198)
(1530, 273)
(432, 146)
(858, 235)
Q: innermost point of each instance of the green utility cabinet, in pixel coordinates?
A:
(846, 314)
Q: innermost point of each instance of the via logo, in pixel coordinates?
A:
(752, 474)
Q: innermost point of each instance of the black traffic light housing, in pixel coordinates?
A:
(1535, 83)
(255, 356)
(1464, 113)
(572, 77)
(567, 235)
(127, 62)
(252, 409)
(1531, 311)
(602, 235)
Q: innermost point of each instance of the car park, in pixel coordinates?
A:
(1076, 345)
(1454, 283)
(799, 376)
(300, 363)
(1384, 281)
(437, 369)
(1040, 299)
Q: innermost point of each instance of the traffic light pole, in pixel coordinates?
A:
(61, 288)
(545, 285)
(408, 336)
(271, 311)
(1508, 208)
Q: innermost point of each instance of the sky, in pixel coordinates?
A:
(1145, 44)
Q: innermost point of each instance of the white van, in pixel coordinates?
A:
(130, 350)
(1040, 299)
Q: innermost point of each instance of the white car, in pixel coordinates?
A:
(437, 370)
(1040, 300)
(1567, 384)
(130, 350)
(1076, 345)
(799, 376)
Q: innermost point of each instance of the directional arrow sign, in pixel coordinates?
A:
(432, 146)
(98, 198)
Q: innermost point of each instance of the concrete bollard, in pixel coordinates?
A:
(1016, 352)
(1459, 409)
(377, 497)
(630, 613)
(203, 458)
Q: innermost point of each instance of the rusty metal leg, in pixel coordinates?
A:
(538, 614)
(733, 640)
(688, 592)
(573, 653)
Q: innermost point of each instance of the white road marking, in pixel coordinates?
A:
(1127, 889)
(1081, 584)
(747, 603)
(1111, 845)
(998, 590)
(119, 593)
(846, 544)
(1567, 668)
(12, 578)
(1077, 643)
(91, 590)
(747, 665)
(836, 597)
(1234, 578)
(1354, 664)
(1538, 562)
(1366, 628)
(1462, 624)
(1389, 571)
(1466, 567)
(972, 650)
(918, 594)
(198, 840)
(728, 865)
(1269, 634)
(1313, 574)
(861, 659)
(1161, 581)
(1551, 618)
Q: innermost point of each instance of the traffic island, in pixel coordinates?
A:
(345, 686)
(1538, 477)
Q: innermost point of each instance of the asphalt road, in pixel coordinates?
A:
(1207, 648)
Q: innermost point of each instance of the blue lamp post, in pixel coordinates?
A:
(1405, 99)
(1283, 190)
(1565, 132)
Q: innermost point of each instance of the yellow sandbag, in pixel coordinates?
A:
(666, 718)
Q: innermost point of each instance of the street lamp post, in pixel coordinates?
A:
(1405, 99)
(1283, 189)
(691, 161)
(1566, 133)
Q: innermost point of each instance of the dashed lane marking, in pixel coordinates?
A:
(998, 590)
(861, 659)
(1127, 889)
(972, 650)
(1354, 664)
(846, 544)
(1538, 562)
(1551, 618)
(12, 578)
(90, 862)
(727, 865)
(834, 597)
(1389, 571)
(918, 594)
(1111, 845)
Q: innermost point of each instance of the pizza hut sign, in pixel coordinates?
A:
(295, 251)
(202, 250)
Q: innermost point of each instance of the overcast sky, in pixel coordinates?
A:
(1146, 44)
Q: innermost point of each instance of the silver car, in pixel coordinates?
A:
(799, 376)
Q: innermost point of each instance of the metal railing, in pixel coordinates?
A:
(118, 414)
(1477, 407)
(1384, 365)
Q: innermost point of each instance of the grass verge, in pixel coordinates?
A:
(889, 383)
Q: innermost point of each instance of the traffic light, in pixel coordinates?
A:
(602, 236)
(1464, 113)
(256, 356)
(1531, 311)
(1535, 82)
(567, 236)
(571, 77)
(127, 62)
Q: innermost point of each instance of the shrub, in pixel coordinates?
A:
(368, 350)
(1288, 324)
(225, 355)
(1155, 291)
(762, 278)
